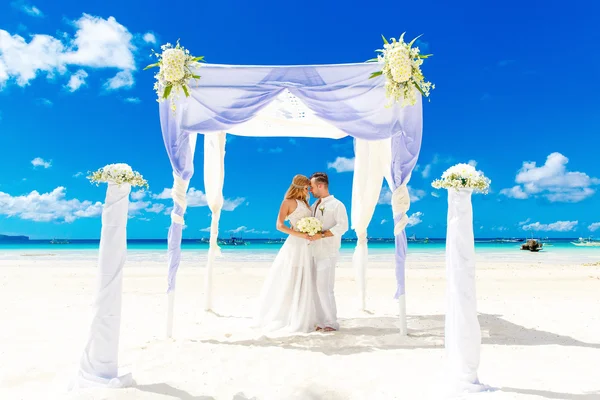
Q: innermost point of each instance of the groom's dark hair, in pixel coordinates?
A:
(321, 177)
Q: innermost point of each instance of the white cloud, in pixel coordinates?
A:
(40, 162)
(144, 219)
(197, 198)
(383, 221)
(136, 206)
(44, 102)
(165, 194)
(293, 141)
(77, 80)
(243, 229)
(385, 197)
(134, 100)
(524, 222)
(552, 181)
(415, 219)
(342, 164)
(77, 175)
(97, 43)
(156, 208)
(594, 227)
(435, 194)
(93, 210)
(558, 226)
(123, 79)
(426, 171)
(515, 192)
(276, 150)
(47, 207)
(472, 163)
(138, 194)
(149, 37)
(205, 229)
(28, 9)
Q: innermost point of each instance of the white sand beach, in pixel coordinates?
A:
(540, 322)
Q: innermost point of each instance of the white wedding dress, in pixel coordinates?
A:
(287, 300)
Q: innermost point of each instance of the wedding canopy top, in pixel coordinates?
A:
(325, 101)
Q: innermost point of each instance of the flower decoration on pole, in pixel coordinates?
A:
(118, 174)
(176, 64)
(402, 70)
(463, 176)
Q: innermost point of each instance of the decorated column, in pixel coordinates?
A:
(462, 330)
(99, 363)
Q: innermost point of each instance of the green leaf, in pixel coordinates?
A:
(152, 66)
(373, 60)
(384, 40)
(419, 89)
(425, 55)
(185, 90)
(375, 74)
(414, 40)
(167, 91)
(196, 59)
(402, 37)
(196, 76)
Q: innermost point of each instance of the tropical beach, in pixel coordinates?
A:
(538, 315)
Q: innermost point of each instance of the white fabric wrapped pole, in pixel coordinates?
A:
(371, 164)
(400, 206)
(98, 366)
(179, 196)
(214, 175)
(462, 330)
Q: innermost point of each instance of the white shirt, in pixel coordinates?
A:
(332, 214)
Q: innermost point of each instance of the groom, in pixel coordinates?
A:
(326, 248)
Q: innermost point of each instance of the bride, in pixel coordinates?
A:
(287, 297)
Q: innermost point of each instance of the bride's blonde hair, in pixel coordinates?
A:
(296, 189)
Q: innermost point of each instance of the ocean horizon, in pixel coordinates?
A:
(250, 250)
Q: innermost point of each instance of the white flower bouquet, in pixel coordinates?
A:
(176, 65)
(463, 176)
(402, 70)
(119, 174)
(310, 226)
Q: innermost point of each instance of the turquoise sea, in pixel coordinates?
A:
(555, 250)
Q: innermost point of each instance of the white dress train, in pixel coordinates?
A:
(287, 299)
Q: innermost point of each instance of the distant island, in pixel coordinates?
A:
(8, 238)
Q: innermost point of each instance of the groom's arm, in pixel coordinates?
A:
(341, 222)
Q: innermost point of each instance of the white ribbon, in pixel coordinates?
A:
(178, 193)
(400, 205)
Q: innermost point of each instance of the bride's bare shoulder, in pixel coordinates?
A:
(289, 204)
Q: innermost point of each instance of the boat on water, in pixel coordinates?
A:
(412, 238)
(232, 241)
(275, 241)
(586, 243)
(533, 245)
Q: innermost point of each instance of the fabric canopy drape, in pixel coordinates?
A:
(328, 101)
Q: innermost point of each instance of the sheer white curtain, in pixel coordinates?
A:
(462, 330)
(214, 175)
(371, 164)
(99, 363)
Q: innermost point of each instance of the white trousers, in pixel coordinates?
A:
(326, 310)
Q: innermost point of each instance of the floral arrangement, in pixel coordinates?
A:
(310, 226)
(175, 65)
(463, 176)
(402, 70)
(119, 174)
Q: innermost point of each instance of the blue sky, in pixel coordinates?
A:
(516, 92)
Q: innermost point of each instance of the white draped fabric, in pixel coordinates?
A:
(179, 196)
(214, 175)
(99, 362)
(462, 330)
(371, 164)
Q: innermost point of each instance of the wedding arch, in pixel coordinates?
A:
(315, 101)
